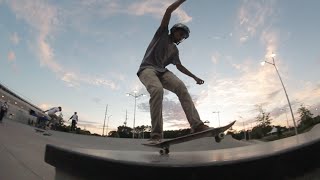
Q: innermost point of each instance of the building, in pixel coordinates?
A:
(19, 109)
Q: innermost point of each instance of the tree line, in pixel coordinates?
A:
(260, 130)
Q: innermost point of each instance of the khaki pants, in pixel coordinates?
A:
(155, 82)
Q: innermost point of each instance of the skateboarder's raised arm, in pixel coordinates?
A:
(185, 71)
(167, 15)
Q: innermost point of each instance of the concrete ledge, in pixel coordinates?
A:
(290, 157)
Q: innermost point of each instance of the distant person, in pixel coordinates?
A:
(54, 118)
(154, 75)
(3, 110)
(74, 121)
(42, 121)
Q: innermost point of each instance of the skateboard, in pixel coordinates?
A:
(39, 130)
(42, 131)
(217, 133)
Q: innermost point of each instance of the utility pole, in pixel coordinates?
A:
(135, 95)
(104, 122)
(218, 112)
(125, 122)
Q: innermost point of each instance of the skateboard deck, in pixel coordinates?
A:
(39, 130)
(218, 133)
(42, 131)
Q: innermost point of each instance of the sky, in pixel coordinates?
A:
(83, 55)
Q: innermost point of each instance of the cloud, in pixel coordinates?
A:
(270, 40)
(108, 8)
(45, 19)
(273, 94)
(253, 17)
(255, 85)
(100, 82)
(157, 9)
(70, 79)
(309, 91)
(75, 79)
(244, 39)
(11, 56)
(239, 95)
(42, 17)
(97, 100)
(14, 38)
(215, 58)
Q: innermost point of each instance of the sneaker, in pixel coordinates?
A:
(201, 127)
(154, 140)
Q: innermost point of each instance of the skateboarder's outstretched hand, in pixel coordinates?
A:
(199, 81)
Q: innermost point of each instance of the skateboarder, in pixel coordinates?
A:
(3, 110)
(42, 121)
(154, 75)
(74, 121)
(52, 113)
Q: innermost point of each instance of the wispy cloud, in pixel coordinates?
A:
(308, 93)
(44, 18)
(253, 17)
(12, 59)
(109, 8)
(215, 58)
(244, 39)
(157, 9)
(75, 80)
(240, 94)
(11, 56)
(14, 38)
(271, 41)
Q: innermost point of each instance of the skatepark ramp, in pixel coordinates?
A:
(281, 159)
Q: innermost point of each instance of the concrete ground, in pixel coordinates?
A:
(22, 149)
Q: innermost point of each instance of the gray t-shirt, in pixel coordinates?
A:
(160, 52)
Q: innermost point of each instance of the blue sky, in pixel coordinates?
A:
(84, 54)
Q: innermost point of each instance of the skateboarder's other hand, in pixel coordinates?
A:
(199, 81)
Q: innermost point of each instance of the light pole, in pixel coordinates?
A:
(287, 118)
(244, 128)
(135, 104)
(274, 64)
(218, 116)
(108, 125)
(104, 122)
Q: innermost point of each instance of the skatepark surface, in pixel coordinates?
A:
(23, 151)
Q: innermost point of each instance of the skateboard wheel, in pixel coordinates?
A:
(161, 151)
(221, 135)
(164, 151)
(217, 139)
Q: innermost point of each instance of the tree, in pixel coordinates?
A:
(140, 130)
(263, 118)
(124, 131)
(264, 122)
(113, 134)
(306, 117)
